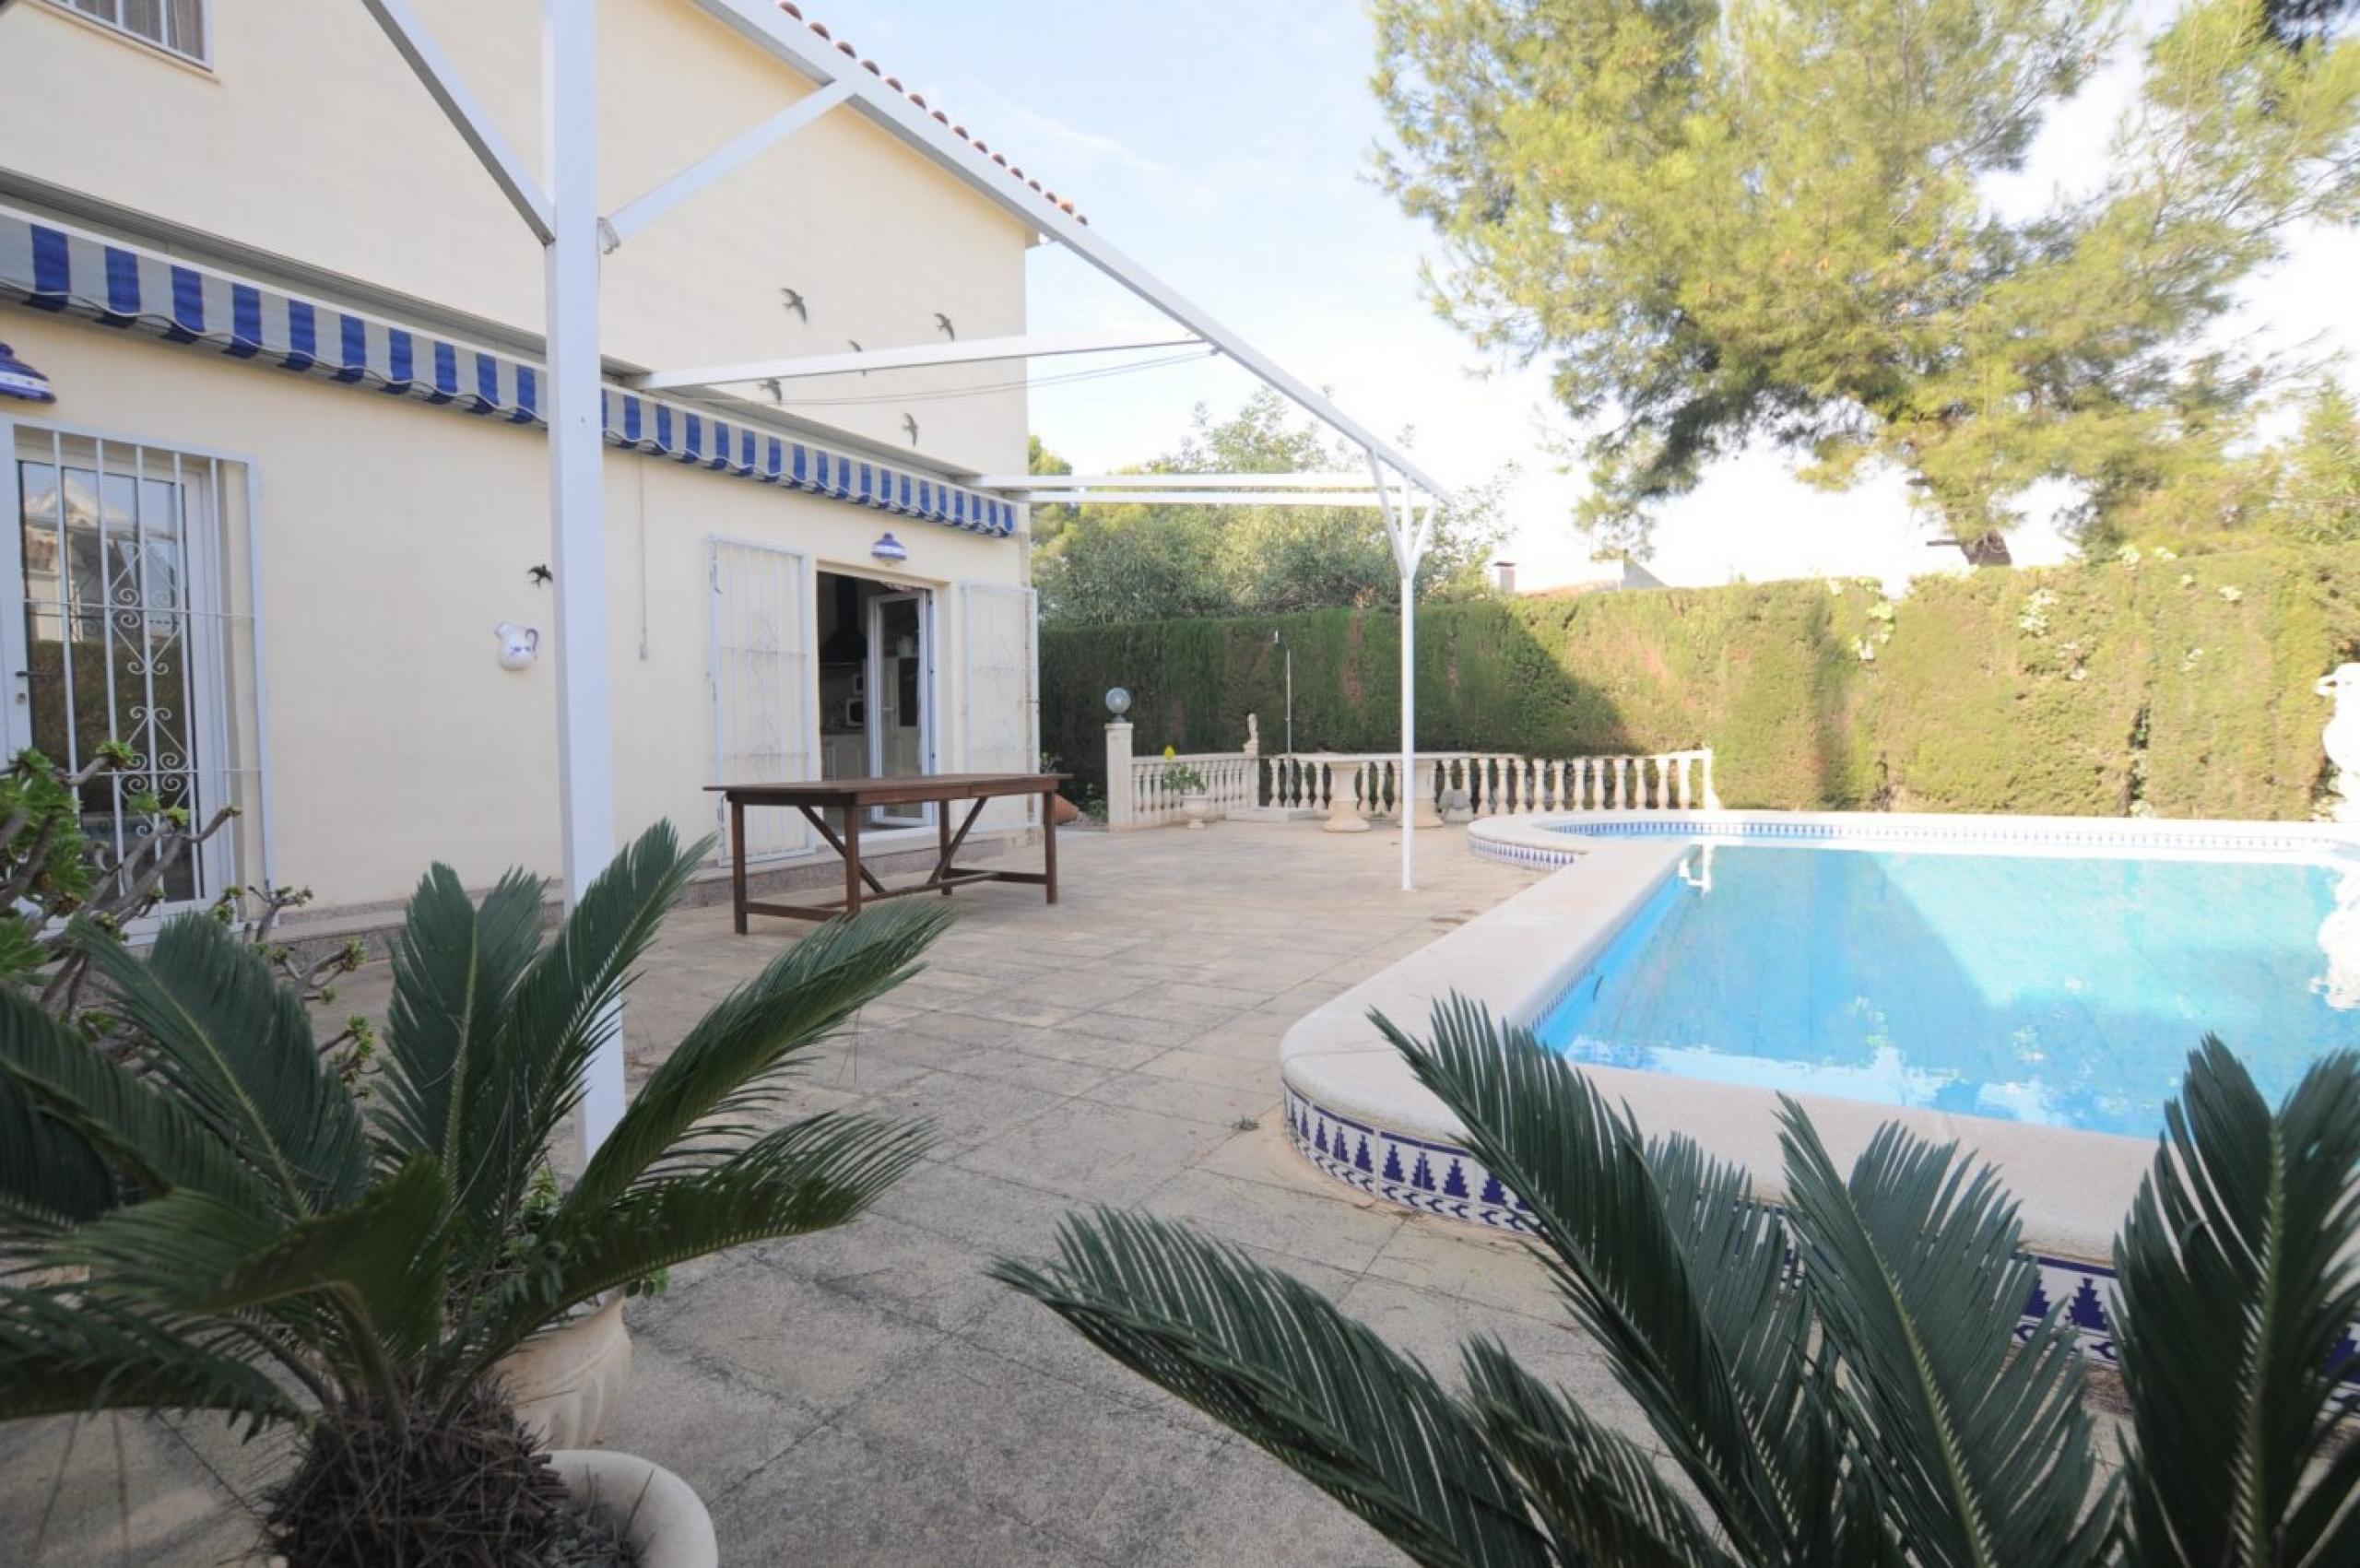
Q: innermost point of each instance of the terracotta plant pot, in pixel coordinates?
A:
(661, 1516)
(1195, 806)
(1062, 811)
(567, 1382)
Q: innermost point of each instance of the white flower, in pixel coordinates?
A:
(2163, 553)
(2127, 555)
(2187, 579)
(2231, 594)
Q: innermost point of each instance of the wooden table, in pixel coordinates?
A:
(854, 797)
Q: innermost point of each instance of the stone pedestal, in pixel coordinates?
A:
(1424, 788)
(1343, 805)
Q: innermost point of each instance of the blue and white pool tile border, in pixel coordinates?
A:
(1440, 1179)
(1433, 1178)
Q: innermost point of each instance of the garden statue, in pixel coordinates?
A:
(2343, 738)
(1253, 735)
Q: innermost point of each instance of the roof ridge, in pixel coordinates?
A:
(843, 46)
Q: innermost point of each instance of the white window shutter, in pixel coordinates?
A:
(999, 709)
(762, 692)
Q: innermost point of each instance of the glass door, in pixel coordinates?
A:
(901, 728)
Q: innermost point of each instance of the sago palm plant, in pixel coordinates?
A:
(1841, 1381)
(218, 1224)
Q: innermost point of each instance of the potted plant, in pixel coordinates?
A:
(1195, 799)
(257, 1240)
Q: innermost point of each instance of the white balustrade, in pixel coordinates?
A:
(1231, 784)
(1351, 789)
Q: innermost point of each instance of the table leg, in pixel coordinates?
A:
(738, 864)
(852, 859)
(1049, 841)
(942, 836)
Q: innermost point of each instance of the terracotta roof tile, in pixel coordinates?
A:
(843, 46)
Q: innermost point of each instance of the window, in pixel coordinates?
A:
(131, 631)
(176, 27)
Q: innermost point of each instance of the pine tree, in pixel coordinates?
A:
(1771, 220)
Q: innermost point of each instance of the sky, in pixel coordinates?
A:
(1227, 144)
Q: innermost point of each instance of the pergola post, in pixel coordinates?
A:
(1409, 536)
(577, 526)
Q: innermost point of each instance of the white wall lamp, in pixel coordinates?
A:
(889, 549)
(519, 645)
(19, 379)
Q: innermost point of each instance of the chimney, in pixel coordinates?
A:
(1506, 572)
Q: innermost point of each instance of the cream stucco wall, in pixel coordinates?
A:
(309, 138)
(394, 535)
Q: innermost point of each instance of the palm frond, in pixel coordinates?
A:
(52, 1177)
(1598, 1494)
(381, 1259)
(171, 1252)
(560, 1012)
(1716, 1386)
(453, 966)
(149, 1136)
(733, 1050)
(1272, 1360)
(2236, 1283)
(64, 1354)
(1982, 1447)
(813, 1175)
(214, 1023)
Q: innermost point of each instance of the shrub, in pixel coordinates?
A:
(2070, 690)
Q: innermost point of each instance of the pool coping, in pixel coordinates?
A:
(1355, 1110)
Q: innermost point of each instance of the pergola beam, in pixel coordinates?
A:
(441, 79)
(635, 215)
(1362, 496)
(915, 356)
(1171, 482)
(791, 42)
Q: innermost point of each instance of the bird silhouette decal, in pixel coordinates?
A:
(856, 348)
(944, 323)
(791, 299)
(910, 424)
(541, 575)
(777, 391)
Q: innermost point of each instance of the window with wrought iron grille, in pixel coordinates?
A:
(177, 27)
(135, 572)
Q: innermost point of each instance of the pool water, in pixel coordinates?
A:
(2061, 992)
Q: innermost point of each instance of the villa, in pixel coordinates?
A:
(521, 439)
(293, 336)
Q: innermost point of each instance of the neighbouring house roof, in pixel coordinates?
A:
(843, 46)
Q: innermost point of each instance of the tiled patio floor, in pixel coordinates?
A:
(866, 1396)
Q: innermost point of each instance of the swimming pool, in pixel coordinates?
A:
(2026, 986)
(2041, 989)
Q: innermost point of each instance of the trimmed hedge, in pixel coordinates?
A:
(2180, 687)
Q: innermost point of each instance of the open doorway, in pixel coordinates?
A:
(876, 679)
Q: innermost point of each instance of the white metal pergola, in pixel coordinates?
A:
(559, 206)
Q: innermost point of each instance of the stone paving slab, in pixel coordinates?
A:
(866, 1396)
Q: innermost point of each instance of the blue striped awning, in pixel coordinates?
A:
(46, 267)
